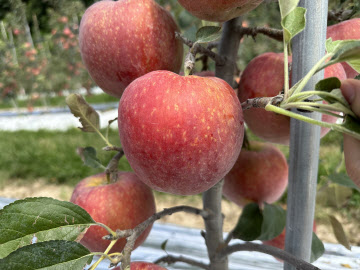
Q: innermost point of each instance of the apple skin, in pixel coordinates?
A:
(342, 31)
(123, 40)
(259, 175)
(181, 135)
(143, 266)
(219, 10)
(264, 77)
(120, 205)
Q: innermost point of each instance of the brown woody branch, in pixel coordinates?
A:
(261, 102)
(273, 33)
(169, 259)
(197, 48)
(132, 234)
(276, 252)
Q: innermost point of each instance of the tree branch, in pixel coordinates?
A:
(261, 102)
(276, 252)
(276, 34)
(170, 259)
(132, 234)
(220, 60)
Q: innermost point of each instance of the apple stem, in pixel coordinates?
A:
(189, 63)
(112, 168)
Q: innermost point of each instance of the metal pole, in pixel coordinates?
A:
(308, 48)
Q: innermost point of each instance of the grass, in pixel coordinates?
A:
(58, 101)
(51, 155)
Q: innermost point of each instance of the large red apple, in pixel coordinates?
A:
(181, 135)
(120, 205)
(259, 175)
(123, 40)
(142, 266)
(264, 77)
(219, 10)
(342, 31)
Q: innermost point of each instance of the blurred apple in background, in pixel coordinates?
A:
(123, 40)
(349, 29)
(259, 175)
(219, 10)
(264, 77)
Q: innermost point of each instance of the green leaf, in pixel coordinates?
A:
(293, 23)
(249, 224)
(350, 126)
(344, 51)
(357, 77)
(328, 84)
(163, 245)
(317, 248)
(43, 218)
(51, 255)
(274, 221)
(88, 156)
(286, 6)
(344, 180)
(339, 232)
(208, 33)
(88, 117)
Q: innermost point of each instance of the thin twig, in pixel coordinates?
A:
(132, 234)
(276, 252)
(273, 33)
(200, 49)
(113, 148)
(170, 259)
(261, 102)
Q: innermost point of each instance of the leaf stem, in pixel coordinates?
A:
(297, 116)
(308, 76)
(304, 95)
(286, 71)
(112, 243)
(106, 228)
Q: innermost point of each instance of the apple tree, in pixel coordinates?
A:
(186, 134)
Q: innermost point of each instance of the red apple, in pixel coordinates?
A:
(219, 10)
(120, 205)
(181, 135)
(142, 266)
(259, 175)
(342, 31)
(123, 40)
(264, 77)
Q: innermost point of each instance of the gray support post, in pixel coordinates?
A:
(308, 48)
